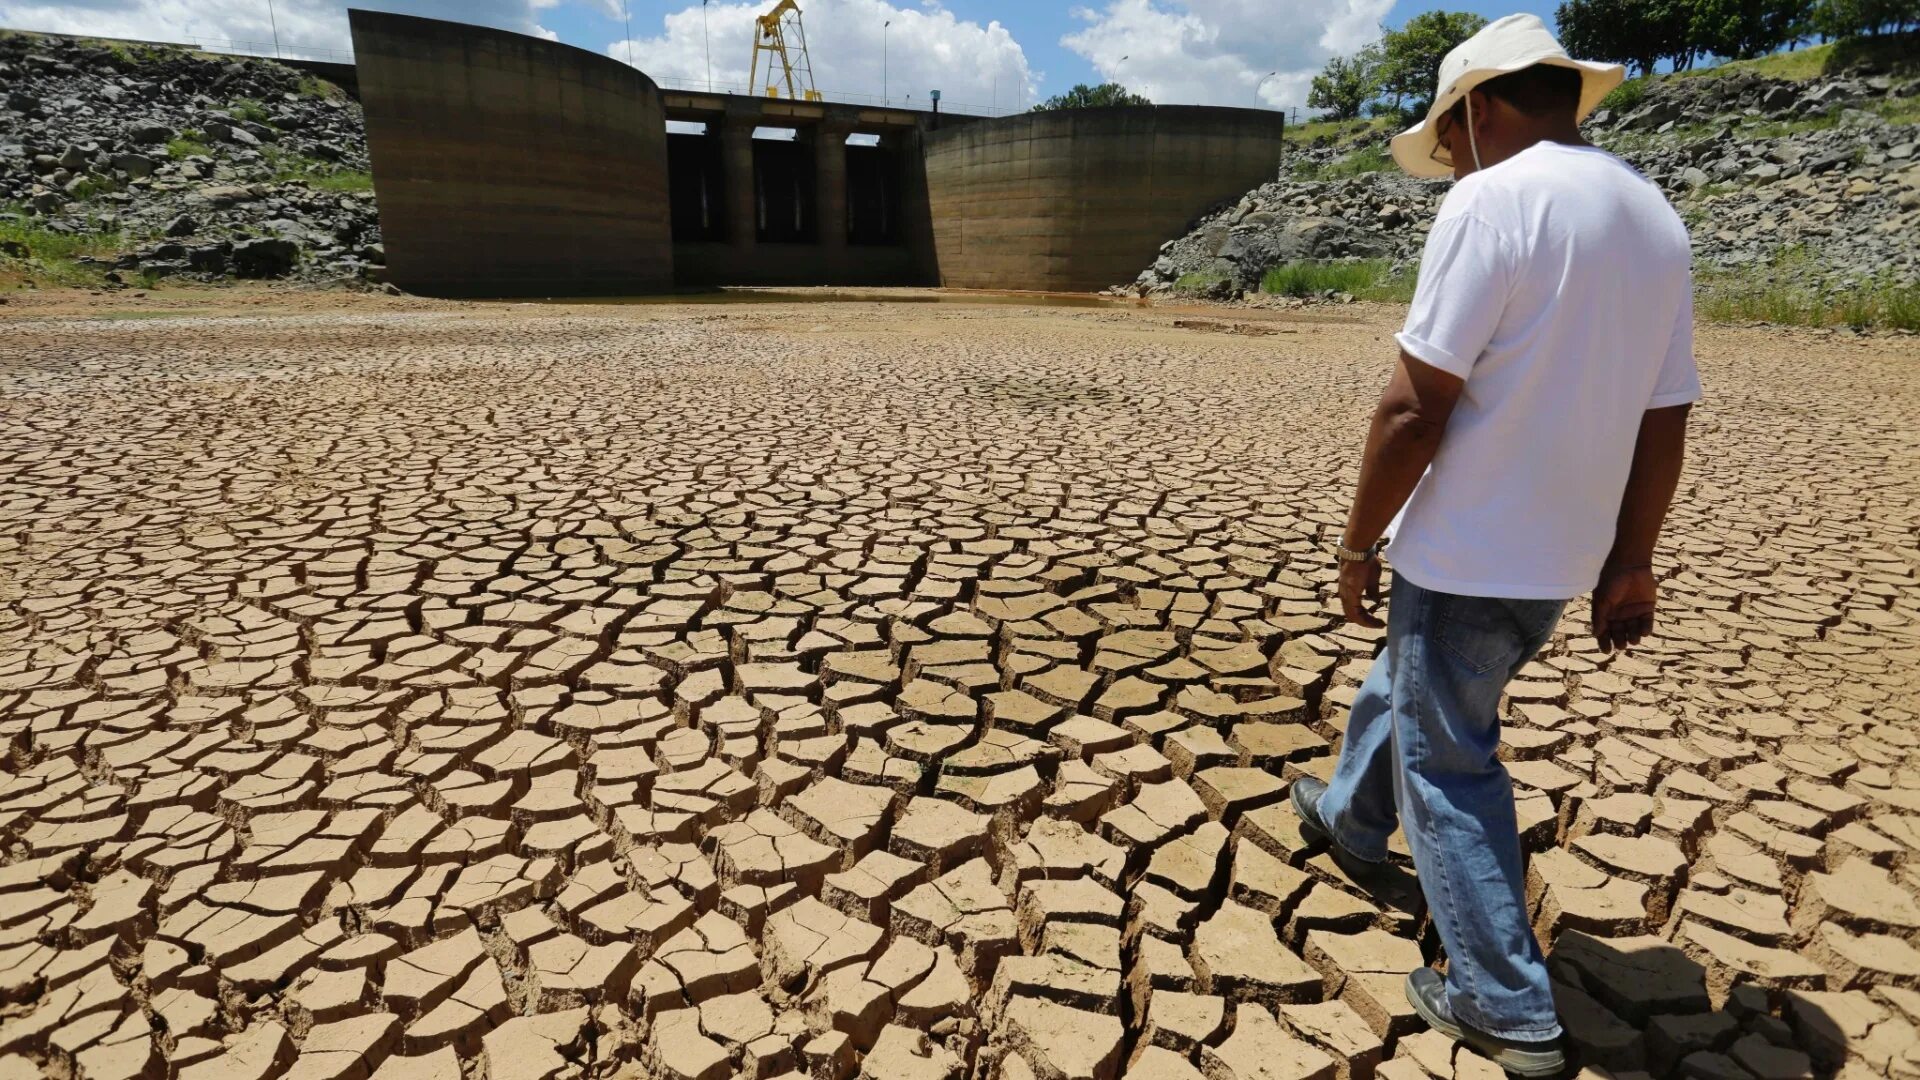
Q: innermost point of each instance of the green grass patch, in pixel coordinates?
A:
(1897, 53)
(1364, 279)
(249, 109)
(1625, 142)
(1367, 159)
(1894, 111)
(89, 186)
(55, 252)
(1881, 307)
(1626, 97)
(1774, 129)
(314, 86)
(317, 174)
(1336, 130)
(1798, 65)
(1759, 295)
(342, 180)
(189, 143)
(1904, 110)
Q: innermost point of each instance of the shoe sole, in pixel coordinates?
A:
(1517, 1062)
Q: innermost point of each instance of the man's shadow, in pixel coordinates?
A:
(1641, 1004)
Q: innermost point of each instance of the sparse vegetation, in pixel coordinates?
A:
(189, 143)
(86, 187)
(1627, 96)
(341, 180)
(1363, 279)
(1898, 110)
(1898, 53)
(31, 252)
(1367, 159)
(313, 86)
(1768, 293)
(321, 175)
(1337, 131)
(249, 109)
(1759, 298)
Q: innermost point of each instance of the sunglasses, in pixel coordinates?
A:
(1442, 135)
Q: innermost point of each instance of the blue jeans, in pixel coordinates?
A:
(1420, 745)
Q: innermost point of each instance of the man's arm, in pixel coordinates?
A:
(1401, 442)
(1623, 601)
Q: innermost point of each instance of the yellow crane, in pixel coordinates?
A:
(789, 72)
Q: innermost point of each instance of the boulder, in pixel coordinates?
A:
(265, 257)
(208, 260)
(136, 166)
(1648, 117)
(1779, 98)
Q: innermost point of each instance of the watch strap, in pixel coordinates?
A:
(1367, 554)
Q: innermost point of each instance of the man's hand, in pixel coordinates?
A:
(1360, 591)
(1623, 606)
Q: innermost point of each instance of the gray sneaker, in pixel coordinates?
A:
(1427, 993)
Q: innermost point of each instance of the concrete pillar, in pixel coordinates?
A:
(736, 160)
(830, 184)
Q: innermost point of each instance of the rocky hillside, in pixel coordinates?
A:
(142, 164)
(1817, 183)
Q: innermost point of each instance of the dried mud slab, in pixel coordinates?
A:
(891, 691)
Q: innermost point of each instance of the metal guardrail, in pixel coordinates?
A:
(845, 97)
(282, 51)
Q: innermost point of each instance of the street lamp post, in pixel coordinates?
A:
(707, 37)
(883, 60)
(1261, 83)
(274, 21)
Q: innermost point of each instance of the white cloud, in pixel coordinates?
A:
(854, 53)
(301, 24)
(1218, 52)
(612, 9)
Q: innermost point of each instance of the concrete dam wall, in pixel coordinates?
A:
(506, 165)
(1080, 199)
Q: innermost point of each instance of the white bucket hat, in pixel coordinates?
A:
(1504, 45)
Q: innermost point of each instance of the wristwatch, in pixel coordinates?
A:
(1370, 553)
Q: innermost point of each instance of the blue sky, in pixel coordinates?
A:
(983, 53)
(1039, 27)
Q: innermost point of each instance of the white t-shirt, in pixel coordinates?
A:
(1558, 285)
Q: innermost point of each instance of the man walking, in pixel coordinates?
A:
(1530, 441)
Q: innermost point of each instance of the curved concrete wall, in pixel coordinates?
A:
(1081, 199)
(511, 166)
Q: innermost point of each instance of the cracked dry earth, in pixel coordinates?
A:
(891, 691)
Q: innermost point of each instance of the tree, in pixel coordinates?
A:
(1411, 55)
(1857, 18)
(1347, 84)
(1746, 28)
(1637, 33)
(1083, 96)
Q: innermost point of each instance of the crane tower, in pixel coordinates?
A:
(789, 69)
